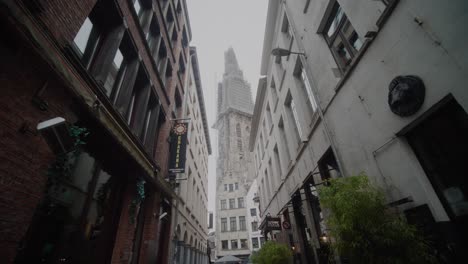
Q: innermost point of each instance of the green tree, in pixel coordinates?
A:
(273, 253)
(364, 230)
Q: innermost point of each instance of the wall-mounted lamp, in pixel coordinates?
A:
(55, 132)
(285, 52)
(162, 215)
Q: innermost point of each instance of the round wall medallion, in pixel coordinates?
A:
(406, 95)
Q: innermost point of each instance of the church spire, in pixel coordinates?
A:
(234, 91)
(231, 67)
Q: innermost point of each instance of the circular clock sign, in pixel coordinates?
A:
(180, 129)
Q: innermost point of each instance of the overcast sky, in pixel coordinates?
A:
(216, 26)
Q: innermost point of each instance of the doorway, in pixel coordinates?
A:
(440, 142)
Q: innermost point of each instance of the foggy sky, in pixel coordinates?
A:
(216, 26)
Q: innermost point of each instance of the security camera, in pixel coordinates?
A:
(55, 132)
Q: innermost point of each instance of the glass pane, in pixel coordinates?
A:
(113, 72)
(118, 59)
(137, 6)
(337, 16)
(306, 82)
(81, 39)
(355, 41)
(296, 118)
(343, 56)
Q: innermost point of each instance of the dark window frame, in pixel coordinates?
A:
(341, 59)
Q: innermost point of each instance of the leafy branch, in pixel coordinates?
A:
(364, 230)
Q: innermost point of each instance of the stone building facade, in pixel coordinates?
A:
(191, 228)
(256, 238)
(374, 87)
(233, 170)
(116, 69)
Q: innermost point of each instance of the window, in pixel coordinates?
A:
(286, 27)
(255, 242)
(253, 211)
(223, 205)
(86, 42)
(304, 87)
(233, 223)
(224, 225)
(274, 93)
(168, 72)
(261, 144)
(225, 185)
(139, 102)
(231, 187)
(240, 202)
(154, 38)
(236, 186)
(242, 226)
(224, 244)
(234, 244)
(284, 142)
(268, 114)
(143, 9)
(232, 203)
(262, 241)
(267, 182)
(341, 37)
(243, 243)
(254, 226)
(293, 117)
(152, 124)
(161, 59)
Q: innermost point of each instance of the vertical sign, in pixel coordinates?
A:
(178, 148)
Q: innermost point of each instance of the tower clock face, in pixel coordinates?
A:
(180, 129)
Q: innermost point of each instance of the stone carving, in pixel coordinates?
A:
(406, 95)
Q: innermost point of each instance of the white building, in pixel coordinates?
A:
(191, 228)
(234, 172)
(253, 218)
(379, 87)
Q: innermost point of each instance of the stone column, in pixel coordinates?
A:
(179, 252)
(186, 254)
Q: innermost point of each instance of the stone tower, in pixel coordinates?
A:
(234, 173)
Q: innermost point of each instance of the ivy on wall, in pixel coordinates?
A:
(137, 200)
(61, 169)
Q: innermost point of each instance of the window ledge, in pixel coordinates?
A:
(353, 65)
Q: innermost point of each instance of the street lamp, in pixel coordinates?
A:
(284, 52)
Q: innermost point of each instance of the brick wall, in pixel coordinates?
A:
(24, 156)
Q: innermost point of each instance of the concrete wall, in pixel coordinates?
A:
(356, 109)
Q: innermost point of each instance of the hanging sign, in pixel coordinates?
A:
(273, 223)
(178, 148)
(286, 225)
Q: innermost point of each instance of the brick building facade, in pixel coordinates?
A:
(115, 68)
